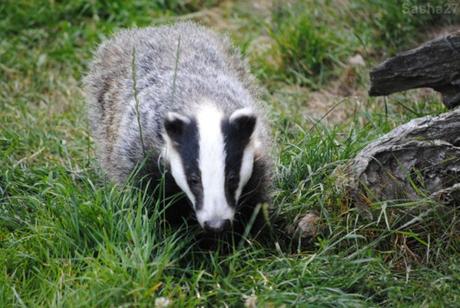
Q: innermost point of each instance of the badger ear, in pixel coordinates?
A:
(244, 121)
(174, 124)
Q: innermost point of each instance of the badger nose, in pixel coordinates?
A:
(217, 225)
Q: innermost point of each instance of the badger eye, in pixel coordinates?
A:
(194, 179)
(232, 178)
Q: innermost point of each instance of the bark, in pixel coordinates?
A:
(418, 159)
(435, 64)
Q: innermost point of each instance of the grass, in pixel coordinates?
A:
(70, 238)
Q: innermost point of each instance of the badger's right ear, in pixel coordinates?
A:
(174, 124)
(244, 121)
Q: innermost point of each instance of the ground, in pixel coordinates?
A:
(68, 237)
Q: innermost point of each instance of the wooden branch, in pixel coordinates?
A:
(420, 158)
(435, 64)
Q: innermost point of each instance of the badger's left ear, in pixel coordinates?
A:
(243, 121)
(175, 124)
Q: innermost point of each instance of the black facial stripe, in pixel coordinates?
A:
(236, 140)
(187, 144)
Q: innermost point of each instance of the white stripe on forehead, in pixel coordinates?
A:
(212, 164)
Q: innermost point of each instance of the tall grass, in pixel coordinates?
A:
(312, 38)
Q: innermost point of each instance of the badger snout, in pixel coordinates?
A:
(215, 219)
(217, 225)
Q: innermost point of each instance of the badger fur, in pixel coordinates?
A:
(182, 95)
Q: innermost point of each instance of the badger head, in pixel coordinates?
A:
(211, 157)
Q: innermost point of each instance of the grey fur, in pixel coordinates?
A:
(208, 67)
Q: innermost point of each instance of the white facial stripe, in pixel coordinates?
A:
(247, 164)
(212, 166)
(177, 169)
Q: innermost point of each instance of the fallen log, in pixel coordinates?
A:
(420, 158)
(435, 64)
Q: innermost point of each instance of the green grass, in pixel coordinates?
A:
(312, 37)
(70, 238)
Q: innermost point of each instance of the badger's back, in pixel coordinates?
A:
(175, 67)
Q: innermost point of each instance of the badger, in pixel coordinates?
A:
(183, 96)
